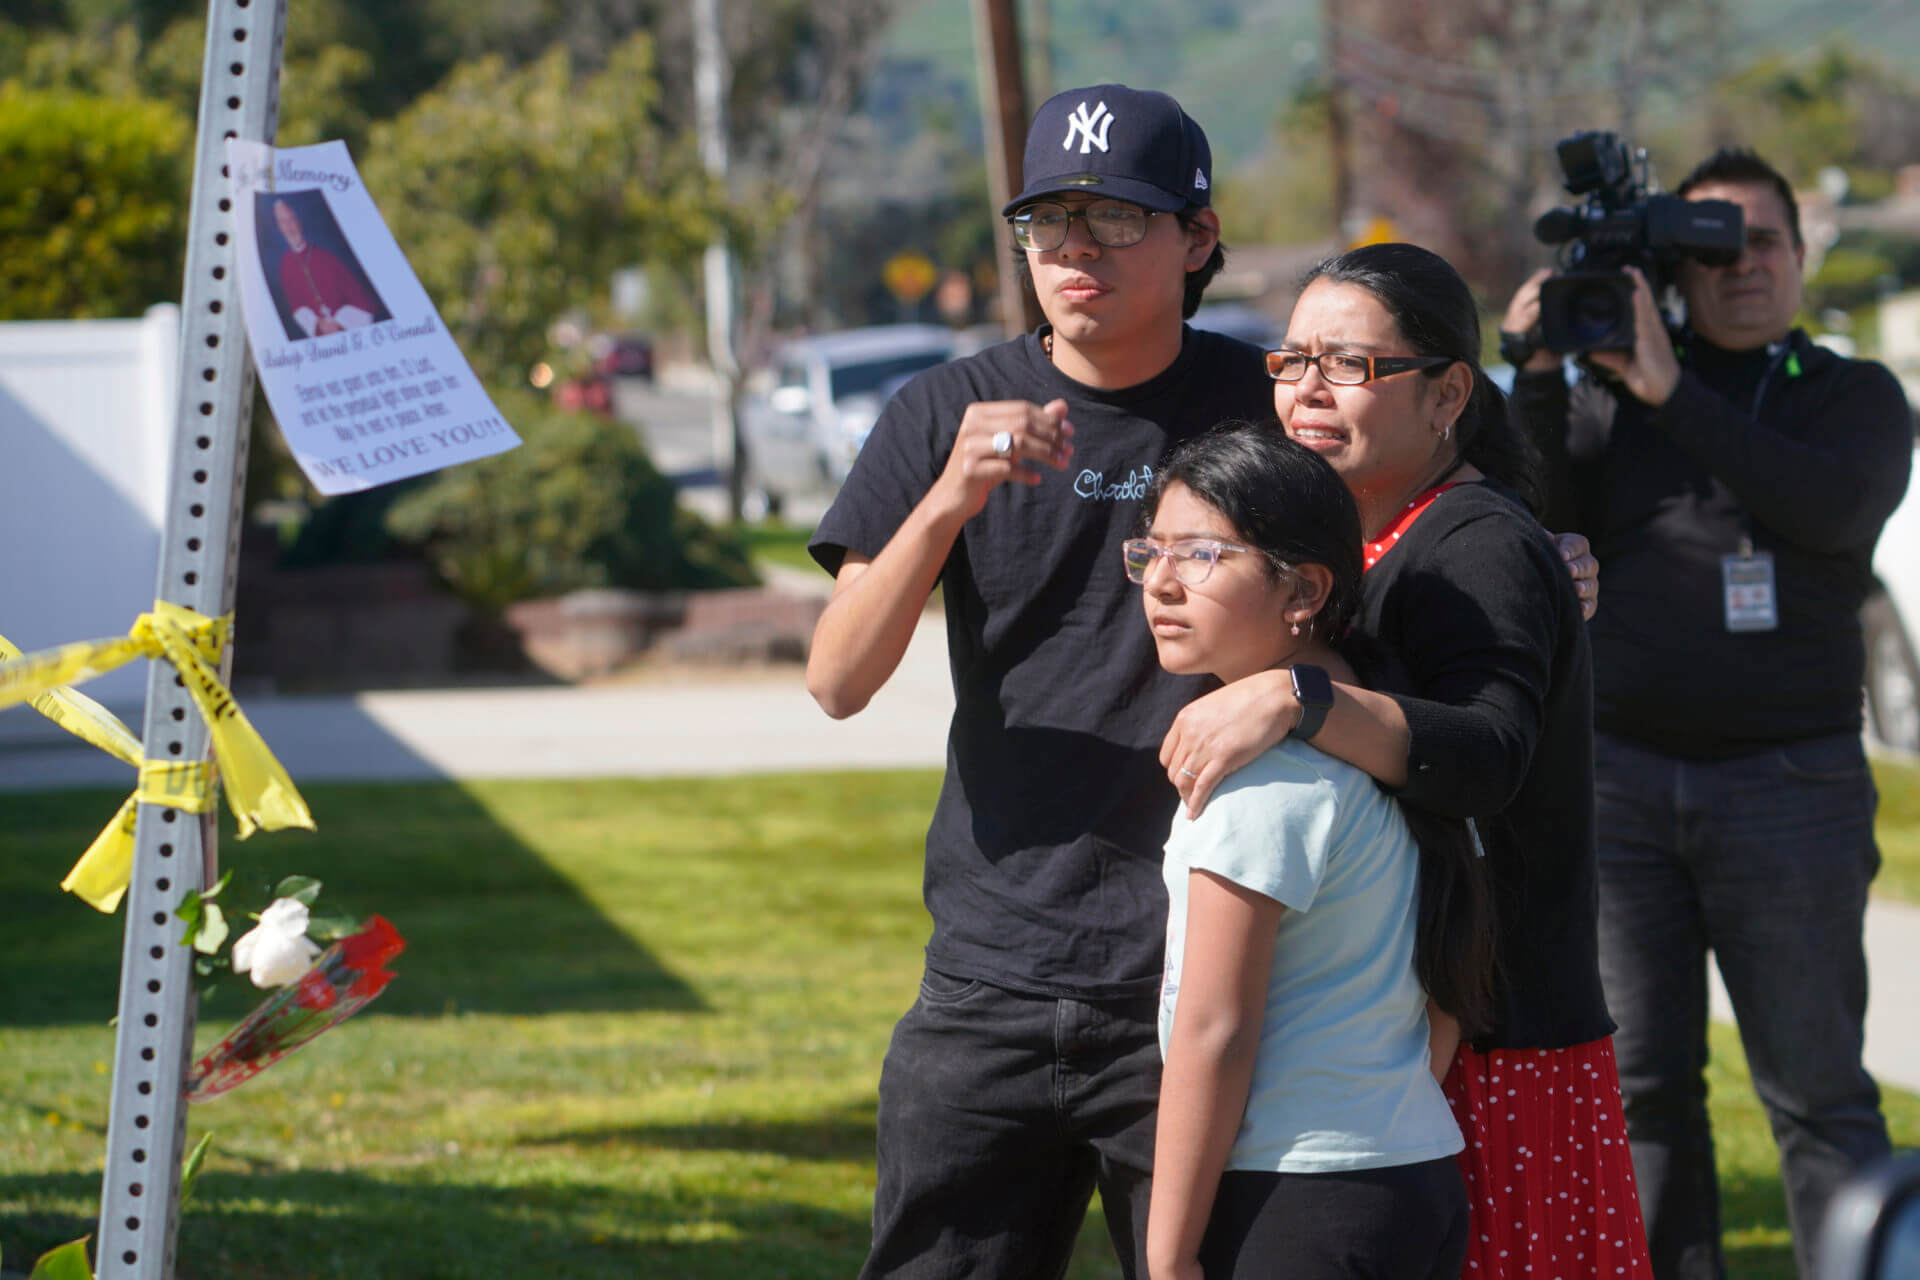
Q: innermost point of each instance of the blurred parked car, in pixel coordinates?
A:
(622, 355)
(1890, 619)
(826, 394)
(1238, 320)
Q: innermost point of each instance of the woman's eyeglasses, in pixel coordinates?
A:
(1344, 368)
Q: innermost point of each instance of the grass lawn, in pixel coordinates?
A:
(781, 544)
(636, 1032)
(1898, 828)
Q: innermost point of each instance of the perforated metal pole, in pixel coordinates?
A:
(175, 850)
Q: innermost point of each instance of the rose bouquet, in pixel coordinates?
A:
(346, 976)
(313, 989)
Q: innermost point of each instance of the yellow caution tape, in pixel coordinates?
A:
(193, 787)
(258, 789)
(83, 717)
(106, 868)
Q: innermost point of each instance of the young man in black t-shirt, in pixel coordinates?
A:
(1026, 1073)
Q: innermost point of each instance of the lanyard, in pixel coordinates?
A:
(1780, 357)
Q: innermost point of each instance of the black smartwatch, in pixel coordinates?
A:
(1517, 348)
(1313, 690)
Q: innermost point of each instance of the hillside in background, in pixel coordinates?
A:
(1236, 64)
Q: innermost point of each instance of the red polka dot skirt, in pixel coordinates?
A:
(1549, 1176)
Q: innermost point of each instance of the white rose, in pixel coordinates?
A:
(277, 950)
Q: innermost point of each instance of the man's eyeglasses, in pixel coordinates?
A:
(1344, 368)
(1040, 228)
(1192, 558)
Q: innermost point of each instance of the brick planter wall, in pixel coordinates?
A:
(592, 633)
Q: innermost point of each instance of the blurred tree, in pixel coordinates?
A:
(577, 505)
(328, 79)
(516, 194)
(1839, 106)
(1288, 195)
(93, 204)
(1455, 107)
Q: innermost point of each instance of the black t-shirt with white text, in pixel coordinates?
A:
(1044, 852)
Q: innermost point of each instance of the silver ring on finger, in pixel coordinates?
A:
(1186, 772)
(1003, 444)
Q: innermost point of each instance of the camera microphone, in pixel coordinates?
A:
(1556, 226)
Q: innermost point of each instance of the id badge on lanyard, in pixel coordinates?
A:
(1746, 578)
(1748, 582)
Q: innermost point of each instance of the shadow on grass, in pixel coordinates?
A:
(841, 1133)
(312, 1224)
(490, 926)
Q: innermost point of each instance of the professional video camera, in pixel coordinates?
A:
(1588, 304)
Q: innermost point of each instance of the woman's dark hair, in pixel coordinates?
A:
(1288, 504)
(1436, 314)
(1197, 280)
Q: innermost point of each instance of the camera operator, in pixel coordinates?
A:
(1733, 478)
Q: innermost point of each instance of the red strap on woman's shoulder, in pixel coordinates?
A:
(1401, 523)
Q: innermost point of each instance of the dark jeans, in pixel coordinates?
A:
(1765, 861)
(1403, 1223)
(999, 1115)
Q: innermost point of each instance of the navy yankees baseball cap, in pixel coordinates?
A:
(1109, 140)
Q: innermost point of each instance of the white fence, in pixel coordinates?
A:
(86, 410)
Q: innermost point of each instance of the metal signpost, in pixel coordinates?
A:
(175, 850)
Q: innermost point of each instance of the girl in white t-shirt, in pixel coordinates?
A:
(1302, 1131)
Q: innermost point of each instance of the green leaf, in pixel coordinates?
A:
(300, 888)
(331, 927)
(68, 1262)
(206, 923)
(190, 1171)
(213, 929)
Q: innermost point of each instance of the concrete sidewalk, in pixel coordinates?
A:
(664, 724)
(681, 724)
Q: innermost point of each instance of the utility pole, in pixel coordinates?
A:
(710, 94)
(1003, 109)
(1339, 146)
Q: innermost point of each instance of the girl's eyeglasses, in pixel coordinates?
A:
(1192, 558)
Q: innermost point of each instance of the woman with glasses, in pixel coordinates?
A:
(1301, 1132)
(1494, 722)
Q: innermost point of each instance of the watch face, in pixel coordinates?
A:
(1312, 686)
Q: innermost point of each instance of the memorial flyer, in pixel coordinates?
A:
(367, 385)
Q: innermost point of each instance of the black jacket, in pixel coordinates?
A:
(1798, 450)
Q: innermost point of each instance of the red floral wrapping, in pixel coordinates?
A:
(347, 975)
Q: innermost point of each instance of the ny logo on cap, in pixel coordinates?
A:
(1082, 122)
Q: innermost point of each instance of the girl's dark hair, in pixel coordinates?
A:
(1288, 504)
(1436, 314)
(1284, 500)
